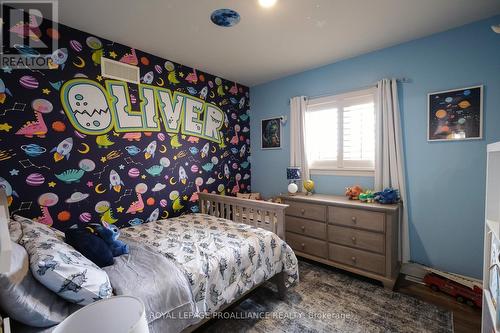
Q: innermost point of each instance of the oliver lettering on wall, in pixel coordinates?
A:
(94, 109)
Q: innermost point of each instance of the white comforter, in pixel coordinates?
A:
(220, 258)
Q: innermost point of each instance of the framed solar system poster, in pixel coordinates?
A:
(271, 133)
(455, 114)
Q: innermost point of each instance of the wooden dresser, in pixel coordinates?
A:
(358, 237)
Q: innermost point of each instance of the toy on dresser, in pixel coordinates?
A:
(367, 196)
(387, 196)
(353, 192)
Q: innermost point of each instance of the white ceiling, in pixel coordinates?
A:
(267, 44)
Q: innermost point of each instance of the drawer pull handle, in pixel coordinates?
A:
(303, 228)
(353, 239)
(353, 219)
(353, 259)
(303, 245)
(302, 211)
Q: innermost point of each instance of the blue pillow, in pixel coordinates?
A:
(90, 245)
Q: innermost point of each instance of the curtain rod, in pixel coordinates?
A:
(400, 80)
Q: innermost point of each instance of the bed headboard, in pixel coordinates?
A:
(262, 214)
(5, 245)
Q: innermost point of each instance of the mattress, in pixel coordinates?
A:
(221, 259)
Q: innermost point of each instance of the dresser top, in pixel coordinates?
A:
(338, 200)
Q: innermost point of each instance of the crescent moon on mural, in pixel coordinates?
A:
(81, 64)
(85, 149)
(98, 190)
(163, 149)
(220, 175)
(164, 215)
(170, 181)
(160, 80)
(214, 149)
(212, 94)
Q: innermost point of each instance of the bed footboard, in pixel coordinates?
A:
(262, 214)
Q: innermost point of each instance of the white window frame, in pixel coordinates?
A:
(336, 167)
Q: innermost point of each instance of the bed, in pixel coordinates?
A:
(188, 268)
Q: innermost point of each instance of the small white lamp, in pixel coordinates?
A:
(292, 174)
(119, 314)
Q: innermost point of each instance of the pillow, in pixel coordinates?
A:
(62, 269)
(24, 299)
(91, 246)
(15, 231)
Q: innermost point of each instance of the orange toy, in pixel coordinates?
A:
(353, 192)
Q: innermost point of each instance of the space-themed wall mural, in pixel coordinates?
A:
(77, 147)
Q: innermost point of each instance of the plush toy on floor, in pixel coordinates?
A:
(387, 196)
(110, 234)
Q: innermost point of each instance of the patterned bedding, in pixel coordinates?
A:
(220, 258)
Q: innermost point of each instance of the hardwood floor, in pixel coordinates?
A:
(465, 318)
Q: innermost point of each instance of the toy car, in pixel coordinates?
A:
(470, 293)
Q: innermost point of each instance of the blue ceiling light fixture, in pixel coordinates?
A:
(225, 17)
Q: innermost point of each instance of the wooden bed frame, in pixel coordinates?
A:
(257, 213)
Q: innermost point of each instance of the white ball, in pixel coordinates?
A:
(293, 188)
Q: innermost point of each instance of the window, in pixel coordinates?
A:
(340, 132)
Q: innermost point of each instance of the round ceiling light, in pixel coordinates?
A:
(267, 3)
(225, 17)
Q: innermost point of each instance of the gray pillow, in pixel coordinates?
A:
(24, 299)
(15, 231)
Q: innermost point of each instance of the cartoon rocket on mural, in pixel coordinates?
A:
(63, 149)
(4, 184)
(150, 150)
(115, 181)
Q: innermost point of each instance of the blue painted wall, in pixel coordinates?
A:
(446, 181)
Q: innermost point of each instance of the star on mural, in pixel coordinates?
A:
(185, 197)
(46, 91)
(113, 54)
(116, 134)
(52, 184)
(120, 209)
(121, 167)
(103, 159)
(181, 74)
(90, 183)
(14, 172)
(143, 176)
(99, 78)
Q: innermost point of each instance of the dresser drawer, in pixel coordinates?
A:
(365, 240)
(358, 218)
(305, 227)
(357, 258)
(306, 210)
(307, 245)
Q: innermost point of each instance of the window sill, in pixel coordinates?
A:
(343, 172)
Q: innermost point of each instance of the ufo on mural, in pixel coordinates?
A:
(225, 17)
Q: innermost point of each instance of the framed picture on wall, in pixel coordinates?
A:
(271, 133)
(455, 114)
